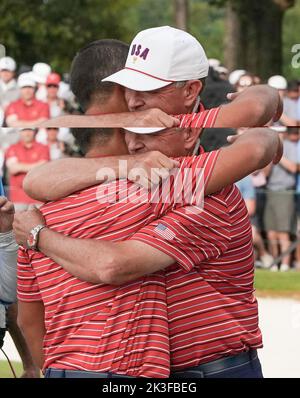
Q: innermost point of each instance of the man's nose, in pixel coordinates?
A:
(134, 100)
(133, 142)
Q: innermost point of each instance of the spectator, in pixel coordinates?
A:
(9, 90)
(40, 71)
(280, 203)
(290, 101)
(8, 261)
(263, 258)
(235, 75)
(56, 104)
(245, 81)
(280, 83)
(297, 262)
(27, 111)
(56, 147)
(20, 159)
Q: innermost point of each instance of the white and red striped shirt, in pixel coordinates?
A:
(212, 311)
(124, 330)
(203, 119)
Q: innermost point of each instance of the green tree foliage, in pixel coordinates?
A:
(291, 36)
(53, 30)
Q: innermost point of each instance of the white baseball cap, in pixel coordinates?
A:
(40, 72)
(160, 56)
(144, 130)
(7, 63)
(26, 80)
(278, 81)
(235, 76)
(214, 62)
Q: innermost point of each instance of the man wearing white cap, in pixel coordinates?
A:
(27, 111)
(40, 72)
(166, 69)
(280, 83)
(9, 90)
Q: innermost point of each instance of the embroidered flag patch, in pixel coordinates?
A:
(164, 232)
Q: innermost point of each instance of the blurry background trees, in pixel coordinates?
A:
(242, 33)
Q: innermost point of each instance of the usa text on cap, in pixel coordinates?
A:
(160, 56)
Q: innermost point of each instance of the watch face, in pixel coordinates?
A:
(30, 240)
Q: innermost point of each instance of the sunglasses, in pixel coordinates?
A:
(52, 85)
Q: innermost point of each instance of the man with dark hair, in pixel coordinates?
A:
(86, 81)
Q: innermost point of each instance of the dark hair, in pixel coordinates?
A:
(293, 130)
(293, 85)
(86, 138)
(93, 63)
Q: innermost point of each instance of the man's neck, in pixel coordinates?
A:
(27, 101)
(28, 145)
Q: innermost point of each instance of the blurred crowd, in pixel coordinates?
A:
(272, 195)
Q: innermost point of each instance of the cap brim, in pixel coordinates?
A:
(136, 80)
(144, 130)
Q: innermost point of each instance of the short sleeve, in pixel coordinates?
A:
(11, 110)
(191, 233)
(204, 119)
(27, 285)
(11, 153)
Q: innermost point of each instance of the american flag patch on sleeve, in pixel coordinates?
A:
(164, 232)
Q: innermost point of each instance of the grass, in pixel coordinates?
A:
(280, 284)
(271, 284)
(5, 371)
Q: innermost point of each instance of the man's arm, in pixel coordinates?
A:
(253, 150)
(117, 263)
(13, 121)
(254, 107)
(288, 165)
(149, 118)
(32, 324)
(60, 178)
(15, 167)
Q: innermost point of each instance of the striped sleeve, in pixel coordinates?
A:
(27, 286)
(193, 233)
(204, 119)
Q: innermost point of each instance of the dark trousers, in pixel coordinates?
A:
(244, 365)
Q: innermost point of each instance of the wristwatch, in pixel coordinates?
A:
(33, 238)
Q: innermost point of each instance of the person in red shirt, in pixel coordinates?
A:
(20, 159)
(27, 111)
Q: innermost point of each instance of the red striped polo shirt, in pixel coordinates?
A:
(124, 329)
(212, 311)
(204, 118)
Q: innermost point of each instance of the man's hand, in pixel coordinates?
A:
(149, 168)
(7, 212)
(154, 118)
(24, 222)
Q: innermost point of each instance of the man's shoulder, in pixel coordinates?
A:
(40, 103)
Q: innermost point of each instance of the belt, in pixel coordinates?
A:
(200, 371)
(218, 365)
(79, 374)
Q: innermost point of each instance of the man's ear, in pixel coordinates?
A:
(192, 89)
(190, 137)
